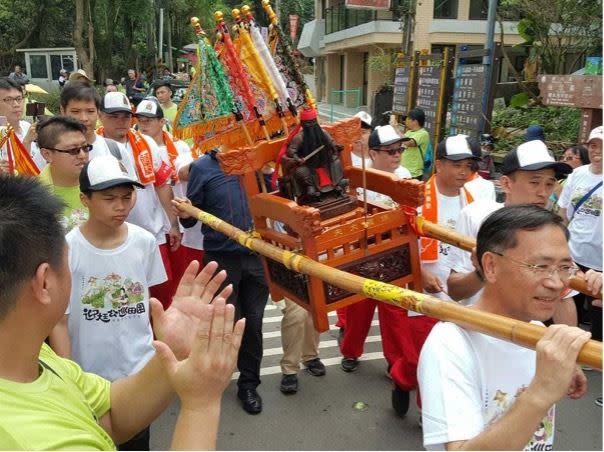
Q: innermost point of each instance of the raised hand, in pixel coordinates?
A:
(177, 325)
(201, 378)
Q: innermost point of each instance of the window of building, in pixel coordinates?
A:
(479, 9)
(445, 9)
(37, 66)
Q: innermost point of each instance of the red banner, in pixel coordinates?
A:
(368, 4)
(293, 26)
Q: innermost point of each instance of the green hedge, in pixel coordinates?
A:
(561, 125)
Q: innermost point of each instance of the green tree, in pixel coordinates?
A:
(561, 32)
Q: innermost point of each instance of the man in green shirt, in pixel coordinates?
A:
(163, 92)
(49, 403)
(62, 142)
(417, 145)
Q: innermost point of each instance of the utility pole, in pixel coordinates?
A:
(169, 30)
(161, 34)
(488, 60)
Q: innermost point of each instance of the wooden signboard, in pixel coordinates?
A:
(583, 91)
(405, 75)
(471, 105)
(579, 91)
(428, 95)
(466, 107)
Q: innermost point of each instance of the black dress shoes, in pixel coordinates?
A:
(252, 402)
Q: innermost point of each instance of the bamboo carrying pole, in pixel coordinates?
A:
(516, 331)
(444, 234)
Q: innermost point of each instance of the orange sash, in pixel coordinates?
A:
(429, 247)
(172, 152)
(143, 157)
(19, 159)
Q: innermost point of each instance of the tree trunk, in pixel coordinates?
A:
(78, 37)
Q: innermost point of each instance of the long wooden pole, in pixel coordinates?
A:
(444, 234)
(516, 331)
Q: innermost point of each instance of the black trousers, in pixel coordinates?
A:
(587, 311)
(140, 441)
(250, 293)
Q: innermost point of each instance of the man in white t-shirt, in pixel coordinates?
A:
(529, 177)
(150, 118)
(581, 205)
(479, 392)
(113, 264)
(445, 196)
(11, 107)
(152, 169)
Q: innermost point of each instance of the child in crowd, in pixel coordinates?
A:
(113, 264)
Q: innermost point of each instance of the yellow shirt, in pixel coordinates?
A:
(58, 411)
(74, 213)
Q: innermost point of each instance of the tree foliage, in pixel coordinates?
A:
(560, 31)
(114, 35)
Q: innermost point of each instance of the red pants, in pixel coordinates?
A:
(180, 260)
(164, 291)
(341, 313)
(393, 323)
(404, 370)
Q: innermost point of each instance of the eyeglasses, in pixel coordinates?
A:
(569, 158)
(391, 152)
(10, 100)
(564, 272)
(74, 151)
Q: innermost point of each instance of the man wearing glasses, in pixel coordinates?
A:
(11, 108)
(482, 393)
(62, 142)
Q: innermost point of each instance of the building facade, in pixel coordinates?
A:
(353, 48)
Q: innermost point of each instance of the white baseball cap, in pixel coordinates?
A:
(104, 172)
(383, 136)
(364, 117)
(532, 156)
(149, 108)
(458, 147)
(115, 102)
(596, 134)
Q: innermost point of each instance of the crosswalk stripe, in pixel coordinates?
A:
(273, 370)
(277, 318)
(273, 334)
(322, 344)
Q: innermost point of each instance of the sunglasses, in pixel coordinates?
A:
(74, 151)
(391, 152)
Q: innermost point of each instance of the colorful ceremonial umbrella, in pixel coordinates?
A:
(282, 53)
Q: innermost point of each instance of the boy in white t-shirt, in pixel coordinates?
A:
(113, 264)
(152, 169)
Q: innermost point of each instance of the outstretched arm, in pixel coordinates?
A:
(201, 379)
(138, 399)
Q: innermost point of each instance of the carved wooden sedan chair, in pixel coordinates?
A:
(377, 243)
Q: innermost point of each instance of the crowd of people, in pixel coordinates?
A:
(95, 248)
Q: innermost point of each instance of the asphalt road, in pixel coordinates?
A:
(321, 416)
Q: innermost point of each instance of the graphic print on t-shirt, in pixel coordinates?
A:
(592, 206)
(502, 402)
(112, 297)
